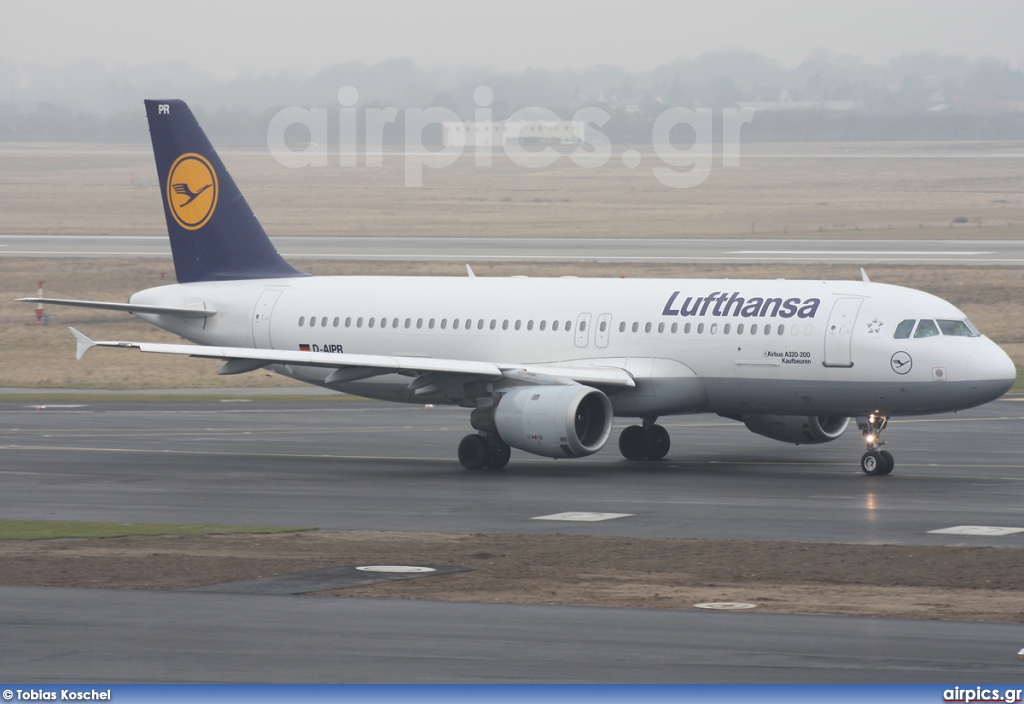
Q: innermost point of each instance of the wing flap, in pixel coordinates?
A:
(385, 364)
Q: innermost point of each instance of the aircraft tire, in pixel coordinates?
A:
(658, 442)
(890, 461)
(474, 450)
(873, 464)
(632, 443)
(499, 455)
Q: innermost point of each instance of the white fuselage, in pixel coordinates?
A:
(722, 346)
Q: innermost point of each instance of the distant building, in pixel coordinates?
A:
(522, 132)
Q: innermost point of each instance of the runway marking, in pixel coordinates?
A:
(199, 453)
(581, 516)
(861, 253)
(978, 530)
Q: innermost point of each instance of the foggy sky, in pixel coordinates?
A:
(226, 38)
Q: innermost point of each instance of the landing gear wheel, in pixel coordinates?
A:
(632, 443)
(874, 464)
(499, 455)
(644, 443)
(890, 461)
(658, 442)
(474, 451)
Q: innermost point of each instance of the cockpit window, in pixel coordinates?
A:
(904, 329)
(956, 328)
(927, 328)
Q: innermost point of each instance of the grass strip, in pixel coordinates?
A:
(43, 530)
(100, 397)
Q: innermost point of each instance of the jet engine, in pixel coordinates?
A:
(799, 430)
(552, 421)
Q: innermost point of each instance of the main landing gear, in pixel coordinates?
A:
(484, 451)
(646, 442)
(875, 462)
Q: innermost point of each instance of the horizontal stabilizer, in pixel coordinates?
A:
(126, 307)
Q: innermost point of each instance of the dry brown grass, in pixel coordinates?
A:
(59, 189)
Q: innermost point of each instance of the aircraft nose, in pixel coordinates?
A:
(994, 367)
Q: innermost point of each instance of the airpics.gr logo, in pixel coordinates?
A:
(192, 191)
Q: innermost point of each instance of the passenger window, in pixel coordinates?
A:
(753, 329)
(408, 323)
(700, 329)
(519, 324)
(430, 324)
(782, 330)
(583, 325)
(647, 328)
(312, 322)
(739, 329)
(504, 325)
(529, 325)
(395, 323)
(323, 322)
(494, 324)
(686, 329)
(904, 329)
(444, 323)
(419, 323)
(927, 328)
(370, 323)
(554, 326)
(956, 328)
(726, 328)
(568, 325)
(604, 325)
(714, 328)
(336, 321)
(636, 327)
(661, 327)
(455, 324)
(302, 321)
(359, 322)
(543, 325)
(675, 328)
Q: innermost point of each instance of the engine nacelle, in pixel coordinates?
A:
(799, 430)
(552, 421)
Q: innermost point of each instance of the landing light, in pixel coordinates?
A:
(870, 438)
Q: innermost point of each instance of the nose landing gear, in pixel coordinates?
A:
(875, 462)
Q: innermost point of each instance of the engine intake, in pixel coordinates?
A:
(799, 430)
(552, 421)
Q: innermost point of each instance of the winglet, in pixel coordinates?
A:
(469, 272)
(84, 343)
(864, 276)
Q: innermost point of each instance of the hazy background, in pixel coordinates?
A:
(864, 69)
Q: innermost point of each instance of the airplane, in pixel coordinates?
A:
(546, 364)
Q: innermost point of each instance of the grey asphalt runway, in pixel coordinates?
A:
(356, 465)
(374, 466)
(693, 251)
(96, 635)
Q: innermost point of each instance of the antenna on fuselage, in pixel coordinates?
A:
(864, 276)
(469, 271)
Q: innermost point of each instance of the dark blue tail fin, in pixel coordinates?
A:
(214, 234)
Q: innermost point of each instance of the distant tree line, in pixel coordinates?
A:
(914, 96)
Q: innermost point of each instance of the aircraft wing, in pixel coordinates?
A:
(126, 307)
(352, 367)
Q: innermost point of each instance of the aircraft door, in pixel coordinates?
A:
(261, 319)
(583, 330)
(839, 332)
(604, 326)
